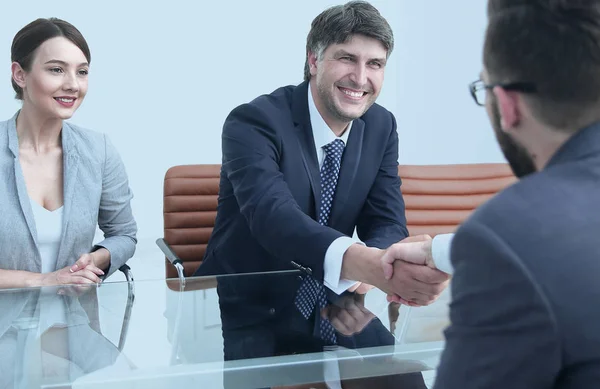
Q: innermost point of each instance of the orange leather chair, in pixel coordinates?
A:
(189, 211)
(438, 199)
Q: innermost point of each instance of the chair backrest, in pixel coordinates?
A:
(189, 211)
(438, 198)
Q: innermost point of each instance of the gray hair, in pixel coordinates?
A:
(339, 23)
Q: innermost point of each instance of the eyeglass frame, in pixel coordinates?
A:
(477, 85)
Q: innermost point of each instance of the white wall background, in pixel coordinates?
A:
(165, 75)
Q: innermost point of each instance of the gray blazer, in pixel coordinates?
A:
(526, 285)
(96, 193)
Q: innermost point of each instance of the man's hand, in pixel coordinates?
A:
(415, 285)
(411, 284)
(401, 257)
(349, 315)
(414, 249)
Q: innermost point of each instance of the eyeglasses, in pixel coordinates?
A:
(478, 88)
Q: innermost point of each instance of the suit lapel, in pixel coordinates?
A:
(13, 145)
(301, 116)
(349, 166)
(70, 166)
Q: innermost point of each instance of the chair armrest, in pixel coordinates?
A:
(168, 251)
(126, 270)
(173, 258)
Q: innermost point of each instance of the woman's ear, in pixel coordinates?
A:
(18, 74)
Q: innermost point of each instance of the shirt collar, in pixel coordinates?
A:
(321, 131)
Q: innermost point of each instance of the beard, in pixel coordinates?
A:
(518, 157)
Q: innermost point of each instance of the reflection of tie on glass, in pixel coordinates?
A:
(311, 291)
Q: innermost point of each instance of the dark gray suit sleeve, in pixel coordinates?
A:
(503, 334)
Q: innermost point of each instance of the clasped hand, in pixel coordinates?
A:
(412, 278)
(83, 272)
(348, 315)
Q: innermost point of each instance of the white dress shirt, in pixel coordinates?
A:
(332, 267)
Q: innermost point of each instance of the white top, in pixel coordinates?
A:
(49, 225)
(49, 231)
(332, 265)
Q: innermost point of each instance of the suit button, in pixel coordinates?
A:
(272, 311)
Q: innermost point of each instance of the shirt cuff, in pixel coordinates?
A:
(332, 267)
(440, 252)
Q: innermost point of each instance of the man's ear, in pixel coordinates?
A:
(312, 63)
(509, 108)
(18, 74)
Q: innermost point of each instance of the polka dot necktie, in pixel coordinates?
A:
(312, 292)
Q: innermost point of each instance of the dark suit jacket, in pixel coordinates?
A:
(526, 287)
(270, 192)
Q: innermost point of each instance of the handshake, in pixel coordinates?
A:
(407, 273)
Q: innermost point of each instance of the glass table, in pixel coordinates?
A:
(166, 334)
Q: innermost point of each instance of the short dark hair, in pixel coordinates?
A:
(337, 25)
(30, 37)
(554, 44)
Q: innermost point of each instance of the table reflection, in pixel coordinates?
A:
(52, 334)
(201, 335)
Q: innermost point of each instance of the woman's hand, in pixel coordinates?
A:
(84, 271)
(90, 262)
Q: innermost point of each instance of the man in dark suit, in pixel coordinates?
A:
(302, 168)
(525, 287)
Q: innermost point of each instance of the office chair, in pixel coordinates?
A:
(189, 211)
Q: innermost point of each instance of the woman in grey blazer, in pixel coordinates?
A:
(59, 182)
(46, 162)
